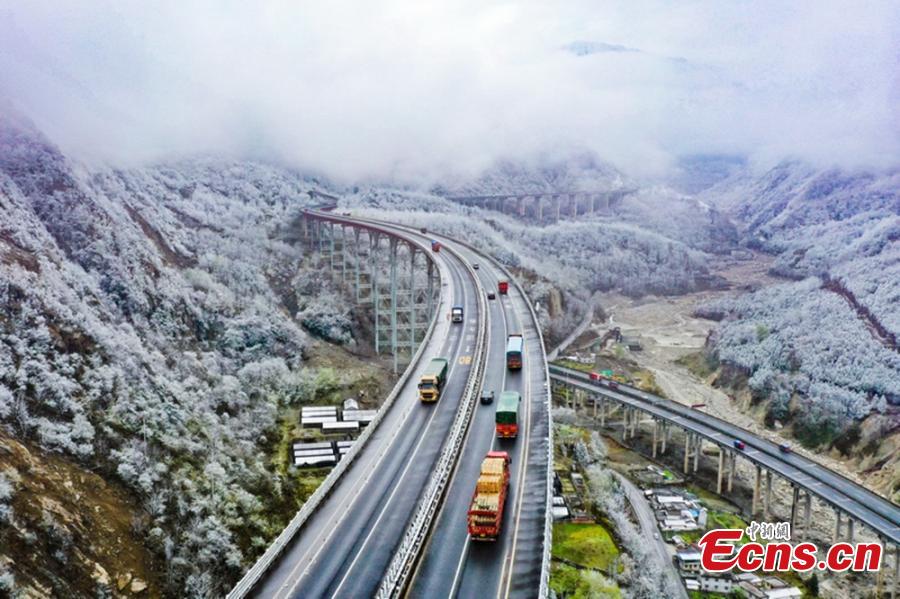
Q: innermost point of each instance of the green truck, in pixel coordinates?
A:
(432, 382)
(507, 416)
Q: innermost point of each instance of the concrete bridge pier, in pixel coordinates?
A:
(350, 247)
(318, 243)
(356, 260)
(754, 506)
(837, 526)
(807, 513)
(687, 452)
(331, 250)
(732, 458)
(698, 448)
(768, 506)
(430, 289)
(795, 500)
(720, 470)
(374, 243)
(393, 299)
(411, 303)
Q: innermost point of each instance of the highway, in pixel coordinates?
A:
(864, 506)
(452, 565)
(343, 549)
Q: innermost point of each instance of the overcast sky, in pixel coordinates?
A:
(411, 89)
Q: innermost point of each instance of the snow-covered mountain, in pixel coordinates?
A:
(836, 224)
(150, 329)
(822, 350)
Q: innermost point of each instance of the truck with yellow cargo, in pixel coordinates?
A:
(485, 516)
(432, 380)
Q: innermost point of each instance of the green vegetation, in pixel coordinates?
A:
(812, 433)
(565, 433)
(710, 499)
(715, 519)
(700, 364)
(571, 583)
(645, 381)
(588, 545)
(574, 365)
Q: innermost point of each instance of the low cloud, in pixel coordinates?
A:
(422, 90)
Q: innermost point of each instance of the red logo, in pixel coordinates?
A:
(720, 552)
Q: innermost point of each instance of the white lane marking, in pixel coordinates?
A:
(328, 533)
(397, 486)
(457, 577)
(520, 494)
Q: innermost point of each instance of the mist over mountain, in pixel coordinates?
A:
(160, 325)
(446, 90)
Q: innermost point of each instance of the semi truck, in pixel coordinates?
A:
(485, 515)
(432, 381)
(503, 287)
(506, 418)
(514, 347)
(456, 314)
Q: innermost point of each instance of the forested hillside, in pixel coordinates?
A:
(823, 349)
(655, 242)
(150, 331)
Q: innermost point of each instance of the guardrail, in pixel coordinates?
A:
(544, 590)
(548, 522)
(876, 511)
(399, 570)
(283, 540)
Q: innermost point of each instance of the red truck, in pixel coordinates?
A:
(503, 287)
(485, 515)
